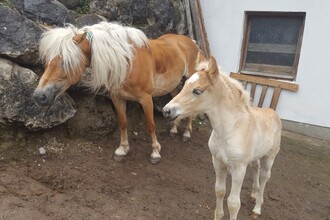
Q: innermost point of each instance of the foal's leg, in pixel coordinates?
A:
(220, 186)
(234, 201)
(147, 105)
(265, 172)
(256, 183)
(120, 105)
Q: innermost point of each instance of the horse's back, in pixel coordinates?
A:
(185, 47)
(269, 127)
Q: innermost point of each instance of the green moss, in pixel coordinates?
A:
(7, 3)
(83, 7)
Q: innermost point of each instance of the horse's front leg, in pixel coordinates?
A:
(120, 105)
(187, 133)
(237, 176)
(147, 105)
(220, 186)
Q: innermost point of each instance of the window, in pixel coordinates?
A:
(271, 44)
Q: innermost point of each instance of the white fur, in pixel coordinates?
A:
(193, 78)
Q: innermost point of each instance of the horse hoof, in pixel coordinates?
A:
(255, 215)
(172, 134)
(154, 160)
(185, 138)
(119, 158)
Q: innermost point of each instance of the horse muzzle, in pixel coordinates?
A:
(44, 97)
(170, 112)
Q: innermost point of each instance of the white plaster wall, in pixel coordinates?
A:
(224, 21)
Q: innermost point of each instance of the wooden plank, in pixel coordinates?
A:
(268, 68)
(270, 75)
(262, 96)
(252, 91)
(244, 84)
(189, 19)
(275, 98)
(200, 32)
(272, 48)
(263, 81)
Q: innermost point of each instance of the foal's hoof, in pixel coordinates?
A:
(154, 160)
(119, 158)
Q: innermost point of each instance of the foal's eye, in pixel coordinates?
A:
(197, 92)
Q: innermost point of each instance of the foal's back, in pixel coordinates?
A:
(268, 132)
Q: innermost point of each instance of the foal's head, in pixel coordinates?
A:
(65, 55)
(196, 96)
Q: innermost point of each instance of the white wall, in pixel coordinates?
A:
(224, 21)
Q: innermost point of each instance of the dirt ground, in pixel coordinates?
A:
(78, 179)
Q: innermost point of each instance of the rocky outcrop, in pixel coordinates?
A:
(17, 106)
(19, 37)
(44, 11)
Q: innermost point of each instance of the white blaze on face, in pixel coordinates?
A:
(193, 78)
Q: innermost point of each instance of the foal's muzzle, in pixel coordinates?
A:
(170, 113)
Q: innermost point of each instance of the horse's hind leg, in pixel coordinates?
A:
(147, 105)
(174, 128)
(187, 133)
(122, 150)
(256, 183)
(266, 164)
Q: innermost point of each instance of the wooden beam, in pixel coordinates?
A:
(262, 96)
(199, 27)
(264, 81)
(189, 19)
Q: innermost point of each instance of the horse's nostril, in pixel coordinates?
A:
(40, 98)
(43, 98)
(166, 112)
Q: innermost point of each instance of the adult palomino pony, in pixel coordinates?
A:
(241, 134)
(123, 61)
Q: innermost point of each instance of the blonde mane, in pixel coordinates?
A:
(58, 42)
(235, 90)
(112, 49)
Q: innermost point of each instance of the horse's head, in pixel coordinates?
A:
(65, 60)
(195, 95)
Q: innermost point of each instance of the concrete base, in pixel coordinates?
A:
(314, 131)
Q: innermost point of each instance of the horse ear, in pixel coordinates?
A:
(213, 66)
(200, 58)
(79, 37)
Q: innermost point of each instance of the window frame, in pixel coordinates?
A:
(245, 43)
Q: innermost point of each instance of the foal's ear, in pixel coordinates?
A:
(79, 37)
(213, 66)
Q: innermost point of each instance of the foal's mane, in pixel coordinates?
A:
(112, 49)
(234, 90)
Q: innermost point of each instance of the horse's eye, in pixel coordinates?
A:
(197, 92)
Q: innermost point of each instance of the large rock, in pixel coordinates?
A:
(17, 106)
(95, 117)
(19, 37)
(47, 11)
